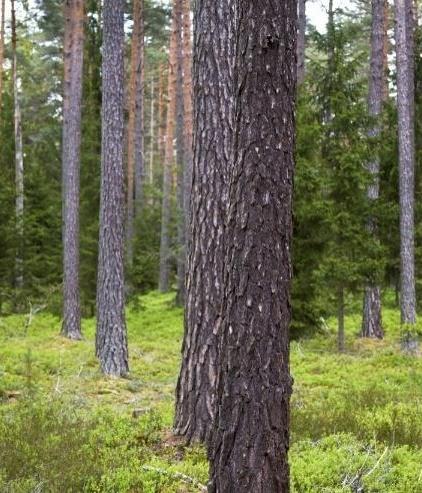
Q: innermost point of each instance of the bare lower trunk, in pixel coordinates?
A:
(74, 26)
(3, 13)
(164, 280)
(139, 106)
(251, 438)
(152, 133)
(111, 338)
(340, 317)
(405, 106)
(372, 319)
(19, 169)
(301, 41)
(135, 126)
(188, 111)
(213, 95)
(181, 163)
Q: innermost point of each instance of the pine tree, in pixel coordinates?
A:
(2, 22)
(251, 439)
(405, 106)
(111, 337)
(72, 113)
(19, 164)
(372, 319)
(213, 90)
(301, 40)
(135, 165)
(164, 279)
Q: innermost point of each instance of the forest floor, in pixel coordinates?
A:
(356, 417)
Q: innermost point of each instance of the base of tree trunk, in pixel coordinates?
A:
(372, 317)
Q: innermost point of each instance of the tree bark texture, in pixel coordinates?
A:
(19, 165)
(301, 41)
(135, 139)
(2, 22)
(164, 280)
(372, 317)
(213, 114)
(72, 112)
(111, 338)
(251, 439)
(405, 107)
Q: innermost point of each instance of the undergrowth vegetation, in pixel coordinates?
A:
(356, 417)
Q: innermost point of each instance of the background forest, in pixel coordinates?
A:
(356, 405)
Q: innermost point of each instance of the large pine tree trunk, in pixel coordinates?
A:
(405, 106)
(372, 319)
(164, 279)
(213, 87)
(19, 169)
(74, 36)
(111, 338)
(135, 153)
(301, 36)
(3, 13)
(251, 441)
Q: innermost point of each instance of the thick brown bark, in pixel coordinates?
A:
(250, 446)
(372, 317)
(135, 137)
(213, 113)
(405, 106)
(74, 39)
(301, 34)
(2, 13)
(111, 337)
(19, 166)
(164, 279)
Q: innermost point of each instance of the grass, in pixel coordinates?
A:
(356, 417)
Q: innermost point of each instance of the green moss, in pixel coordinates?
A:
(67, 428)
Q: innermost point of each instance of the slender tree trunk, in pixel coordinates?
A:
(111, 337)
(3, 13)
(152, 133)
(251, 441)
(135, 138)
(213, 95)
(372, 317)
(139, 104)
(180, 154)
(74, 39)
(301, 41)
(161, 111)
(405, 106)
(19, 169)
(164, 280)
(341, 310)
(188, 110)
